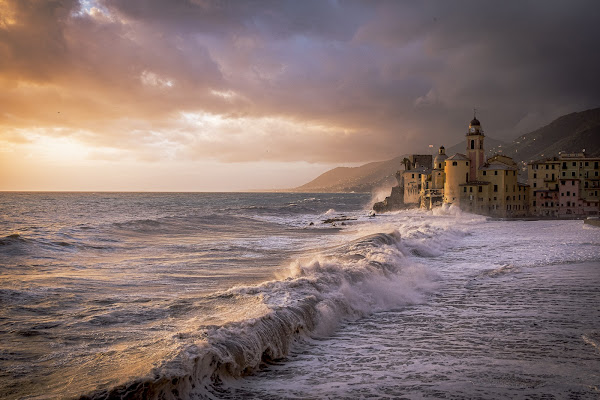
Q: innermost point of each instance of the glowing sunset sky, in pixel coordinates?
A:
(193, 95)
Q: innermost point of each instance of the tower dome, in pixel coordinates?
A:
(440, 158)
(475, 127)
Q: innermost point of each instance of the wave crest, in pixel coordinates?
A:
(364, 276)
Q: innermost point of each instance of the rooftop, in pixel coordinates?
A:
(458, 156)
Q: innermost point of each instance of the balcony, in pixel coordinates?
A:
(433, 192)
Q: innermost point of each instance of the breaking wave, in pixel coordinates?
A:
(317, 294)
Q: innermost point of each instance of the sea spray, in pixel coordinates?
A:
(367, 275)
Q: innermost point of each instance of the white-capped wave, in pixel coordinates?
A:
(353, 280)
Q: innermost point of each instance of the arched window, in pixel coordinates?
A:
(472, 144)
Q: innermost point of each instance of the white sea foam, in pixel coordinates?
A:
(181, 306)
(367, 275)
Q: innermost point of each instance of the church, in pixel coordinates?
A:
(469, 181)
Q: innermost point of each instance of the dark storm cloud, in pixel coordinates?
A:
(347, 81)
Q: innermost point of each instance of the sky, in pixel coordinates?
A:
(203, 95)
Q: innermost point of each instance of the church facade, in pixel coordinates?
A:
(469, 181)
(474, 183)
(565, 186)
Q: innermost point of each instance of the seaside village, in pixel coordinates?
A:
(565, 186)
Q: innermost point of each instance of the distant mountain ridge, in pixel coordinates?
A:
(570, 133)
(355, 179)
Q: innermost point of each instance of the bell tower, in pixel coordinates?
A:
(475, 151)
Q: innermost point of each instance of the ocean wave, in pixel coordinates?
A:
(185, 223)
(18, 244)
(366, 275)
(12, 239)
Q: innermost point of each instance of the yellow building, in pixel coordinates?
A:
(457, 172)
(478, 185)
(468, 181)
(432, 183)
(543, 179)
(506, 196)
(412, 184)
(416, 167)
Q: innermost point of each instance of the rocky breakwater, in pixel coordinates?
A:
(395, 201)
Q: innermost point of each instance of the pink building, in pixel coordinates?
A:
(546, 203)
(570, 204)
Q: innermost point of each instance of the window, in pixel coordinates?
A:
(495, 189)
(412, 175)
(514, 173)
(574, 164)
(534, 176)
(547, 166)
(534, 203)
(572, 173)
(465, 189)
(564, 165)
(562, 194)
(568, 193)
(472, 144)
(471, 189)
(564, 173)
(534, 184)
(484, 173)
(495, 172)
(587, 164)
(552, 166)
(454, 163)
(480, 189)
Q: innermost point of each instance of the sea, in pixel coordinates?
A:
(291, 296)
